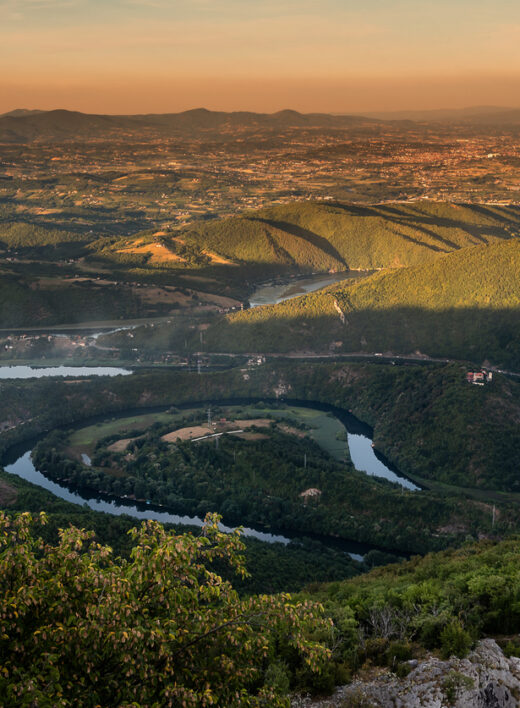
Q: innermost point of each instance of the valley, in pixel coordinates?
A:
(307, 325)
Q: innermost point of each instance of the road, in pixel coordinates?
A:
(375, 356)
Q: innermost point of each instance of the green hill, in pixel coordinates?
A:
(442, 602)
(316, 235)
(464, 305)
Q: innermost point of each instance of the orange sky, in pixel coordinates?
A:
(130, 56)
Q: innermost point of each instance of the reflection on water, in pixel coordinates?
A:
(29, 372)
(361, 451)
(365, 460)
(24, 468)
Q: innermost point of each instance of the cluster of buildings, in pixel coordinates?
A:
(479, 378)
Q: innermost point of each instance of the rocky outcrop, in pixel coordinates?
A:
(484, 679)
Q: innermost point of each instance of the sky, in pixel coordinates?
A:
(340, 56)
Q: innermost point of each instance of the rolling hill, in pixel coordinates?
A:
(22, 126)
(462, 305)
(320, 235)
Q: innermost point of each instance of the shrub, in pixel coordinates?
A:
(455, 640)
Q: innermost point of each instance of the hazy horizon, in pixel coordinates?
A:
(373, 112)
(332, 56)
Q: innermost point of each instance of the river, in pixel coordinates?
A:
(275, 291)
(18, 461)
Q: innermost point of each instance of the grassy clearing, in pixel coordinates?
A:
(323, 428)
(85, 439)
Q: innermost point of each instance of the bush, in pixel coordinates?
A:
(455, 640)
(79, 628)
(398, 652)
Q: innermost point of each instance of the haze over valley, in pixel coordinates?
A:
(259, 360)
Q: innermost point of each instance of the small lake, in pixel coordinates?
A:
(271, 293)
(38, 372)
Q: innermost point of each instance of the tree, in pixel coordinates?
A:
(80, 628)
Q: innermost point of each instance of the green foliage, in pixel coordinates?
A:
(427, 421)
(258, 483)
(455, 640)
(321, 236)
(21, 234)
(24, 303)
(464, 594)
(464, 305)
(512, 649)
(78, 628)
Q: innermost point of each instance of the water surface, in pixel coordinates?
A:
(24, 467)
(365, 460)
(278, 291)
(38, 372)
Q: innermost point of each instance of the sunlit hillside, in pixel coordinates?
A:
(464, 305)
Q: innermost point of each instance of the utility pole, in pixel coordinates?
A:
(209, 416)
(305, 461)
(494, 515)
(198, 366)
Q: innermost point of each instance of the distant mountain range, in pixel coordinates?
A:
(473, 114)
(24, 126)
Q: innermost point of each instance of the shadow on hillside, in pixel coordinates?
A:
(314, 239)
(413, 217)
(473, 334)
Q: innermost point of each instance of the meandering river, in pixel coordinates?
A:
(18, 461)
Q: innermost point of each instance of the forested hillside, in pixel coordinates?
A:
(464, 305)
(318, 235)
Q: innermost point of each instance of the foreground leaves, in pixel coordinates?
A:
(80, 628)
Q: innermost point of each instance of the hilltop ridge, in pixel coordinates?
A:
(59, 124)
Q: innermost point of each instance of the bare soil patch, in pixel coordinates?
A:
(252, 436)
(158, 253)
(257, 422)
(290, 430)
(196, 431)
(120, 445)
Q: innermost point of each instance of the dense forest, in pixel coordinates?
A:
(227, 256)
(465, 305)
(260, 483)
